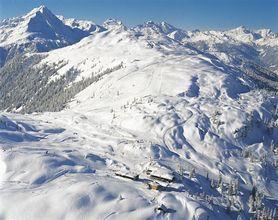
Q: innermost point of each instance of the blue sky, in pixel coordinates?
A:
(186, 14)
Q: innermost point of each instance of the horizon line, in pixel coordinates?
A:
(144, 22)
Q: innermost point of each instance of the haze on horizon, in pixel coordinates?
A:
(186, 14)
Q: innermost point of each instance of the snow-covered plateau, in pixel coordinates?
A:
(150, 122)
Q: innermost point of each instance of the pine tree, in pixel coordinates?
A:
(219, 180)
(192, 173)
(222, 187)
(212, 184)
(258, 200)
(251, 204)
(230, 189)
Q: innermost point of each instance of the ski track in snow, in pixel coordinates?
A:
(168, 109)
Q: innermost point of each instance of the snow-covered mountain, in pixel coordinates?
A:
(38, 31)
(84, 25)
(232, 46)
(39, 24)
(150, 122)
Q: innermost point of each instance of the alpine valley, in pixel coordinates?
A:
(148, 122)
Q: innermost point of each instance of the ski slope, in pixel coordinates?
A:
(153, 114)
(148, 140)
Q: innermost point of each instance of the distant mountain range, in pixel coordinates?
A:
(40, 31)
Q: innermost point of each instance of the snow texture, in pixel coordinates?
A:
(174, 116)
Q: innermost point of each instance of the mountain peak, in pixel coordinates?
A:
(41, 23)
(41, 9)
(167, 28)
(113, 24)
(265, 32)
(150, 22)
(162, 27)
(240, 30)
(113, 21)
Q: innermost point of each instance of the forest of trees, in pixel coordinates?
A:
(28, 89)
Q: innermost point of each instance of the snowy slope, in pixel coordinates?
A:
(125, 123)
(231, 46)
(237, 45)
(84, 25)
(160, 109)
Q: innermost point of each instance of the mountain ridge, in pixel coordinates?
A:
(43, 36)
